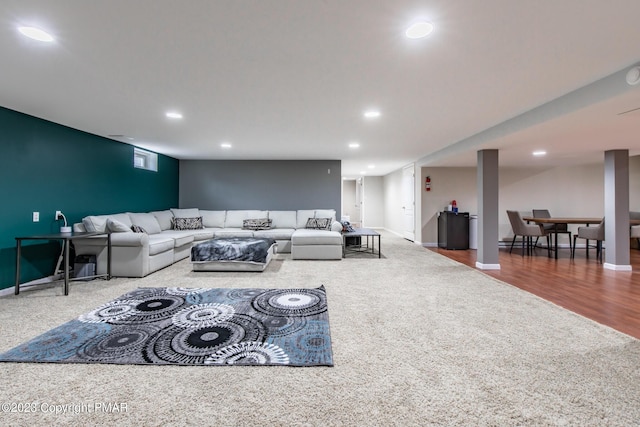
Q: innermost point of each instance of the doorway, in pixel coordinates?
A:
(408, 202)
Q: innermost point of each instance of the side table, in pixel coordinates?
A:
(361, 232)
(66, 239)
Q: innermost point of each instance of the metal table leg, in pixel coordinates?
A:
(18, 250)
(66, 243)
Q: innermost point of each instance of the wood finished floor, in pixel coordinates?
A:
(581, 285)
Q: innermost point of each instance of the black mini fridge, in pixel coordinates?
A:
(453, 230)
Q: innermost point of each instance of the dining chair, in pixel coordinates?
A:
(590, 233)
(635, 234)
(552, 228)
(527, 231)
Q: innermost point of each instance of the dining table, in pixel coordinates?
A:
(570, 220)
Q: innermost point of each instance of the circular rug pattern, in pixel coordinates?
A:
(185, 291)
(123, 344)
(282, 326)
(193, 345)
(153, 309)
(249, 353)
(201, 315)
(113, 311)
(291, 302)
(243, 294)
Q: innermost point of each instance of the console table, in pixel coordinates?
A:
(66, 239)
(361, 232)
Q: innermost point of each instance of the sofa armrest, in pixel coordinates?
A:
(129, 239)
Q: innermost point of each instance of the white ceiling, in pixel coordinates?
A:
(290, 79)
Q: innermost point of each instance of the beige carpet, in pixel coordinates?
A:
(418, 339)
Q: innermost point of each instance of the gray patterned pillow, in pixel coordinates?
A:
(319, 223)
(257, 224)
(187, 223)
(137, 229)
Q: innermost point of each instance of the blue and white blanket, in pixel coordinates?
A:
(245, 249)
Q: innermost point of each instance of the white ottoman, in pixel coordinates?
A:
(316, 244)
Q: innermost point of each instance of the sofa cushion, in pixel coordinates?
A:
(234, 219)
(326, 213)
(316, 237)
(164, 218)
(275, 233)
(213, 218)
(204, 234)
(181, 237)
(186, 213)
(187, 223)
(233, 232)
(302, 217)
(283, 219)
(159, 243)
(146, 221)
(116, 226)
(99, 222)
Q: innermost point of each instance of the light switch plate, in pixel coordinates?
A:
(36, 217)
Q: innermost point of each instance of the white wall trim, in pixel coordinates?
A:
(38, 282)
(481, 266)
(616, 267)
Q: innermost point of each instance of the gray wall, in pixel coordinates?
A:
(261, 184)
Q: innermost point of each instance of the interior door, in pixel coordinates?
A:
(357, 217)
(408, 202)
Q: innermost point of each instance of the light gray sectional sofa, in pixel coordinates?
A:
(156, 243)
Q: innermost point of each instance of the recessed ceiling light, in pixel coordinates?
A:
(225, 145)
(539, 153)
(363, 172)
(419, 30)
(633, 76)
(174, 115)
(36, 34)
(354, 145)
(371, 166)
(372, 114)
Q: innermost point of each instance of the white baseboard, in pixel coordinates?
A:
(33, 283)
(616, 267)
(481, 266)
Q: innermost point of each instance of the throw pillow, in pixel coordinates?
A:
(115, 226)
(137, 229)
(187, 223)
(257, 224)
(319, 223)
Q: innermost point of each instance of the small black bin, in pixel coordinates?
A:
(84, 267)
(353, 241)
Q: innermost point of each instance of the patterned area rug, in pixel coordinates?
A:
(183, 326)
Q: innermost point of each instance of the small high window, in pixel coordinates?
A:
(143, 159)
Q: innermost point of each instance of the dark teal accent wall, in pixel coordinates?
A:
(46, 167)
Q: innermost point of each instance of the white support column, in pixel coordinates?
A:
(616, 210)
(488, 210)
